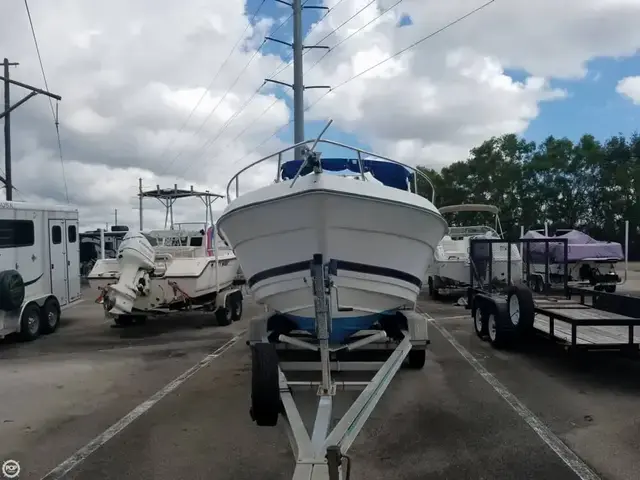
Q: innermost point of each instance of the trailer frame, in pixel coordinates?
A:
(322, 454)
(488, 305)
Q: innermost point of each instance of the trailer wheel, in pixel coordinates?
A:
(224, 313)
(236, 307)
(520, 308)
(537, 284)
(30, 323)
(610, 288)
(499, 334)
(266, 404)
(417, 358)
(11, 290)
(50, 316)
(480, 322)
(433, 290)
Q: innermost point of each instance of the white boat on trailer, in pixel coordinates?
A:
(339, 265)
(451, 269)
(159, 271)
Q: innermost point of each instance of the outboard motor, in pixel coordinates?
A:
(136, 259)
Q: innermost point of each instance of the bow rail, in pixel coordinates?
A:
(359, 152)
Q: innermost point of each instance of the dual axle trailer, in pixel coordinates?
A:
(506, 316)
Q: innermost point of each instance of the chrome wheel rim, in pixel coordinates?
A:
(514, 310)
(492, 327)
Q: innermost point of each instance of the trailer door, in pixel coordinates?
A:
(57, 247)
(73, 259)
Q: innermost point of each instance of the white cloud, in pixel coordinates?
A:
(630, 88)
(130, 72)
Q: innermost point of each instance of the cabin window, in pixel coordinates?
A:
(195, 241)
(56, 234)
(16, 233)
(71, 234)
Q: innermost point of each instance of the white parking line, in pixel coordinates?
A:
(567, 455)
(77, 458)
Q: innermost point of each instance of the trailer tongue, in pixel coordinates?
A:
(323, 454)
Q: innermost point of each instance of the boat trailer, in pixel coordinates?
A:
(323, 454)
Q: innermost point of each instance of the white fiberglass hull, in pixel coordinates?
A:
(382, 238)
(193, 277)
(453, 268)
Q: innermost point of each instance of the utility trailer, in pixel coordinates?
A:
(506, 318)
(39, 267)
(277, 349)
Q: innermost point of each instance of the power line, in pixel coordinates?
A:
(400, 52)
(213, 110)
(228, 122)
(407, 48)
(53, 112)
(352, 34)
(215, 77)
(279, 70)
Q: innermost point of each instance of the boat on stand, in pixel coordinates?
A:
(338, 260)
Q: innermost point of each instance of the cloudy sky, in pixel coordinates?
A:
(130, 73)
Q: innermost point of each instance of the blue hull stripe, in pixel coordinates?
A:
(342, 265)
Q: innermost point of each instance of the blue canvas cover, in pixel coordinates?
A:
(388, 173)
(580, 247)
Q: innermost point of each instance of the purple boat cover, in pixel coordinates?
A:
(580, 247)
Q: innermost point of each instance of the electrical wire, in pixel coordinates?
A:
(279, 70)
(215, 77)
(400, 52)
(352, 34)
(228, 122)
(53, 112)
(407, 48)
(226, 93)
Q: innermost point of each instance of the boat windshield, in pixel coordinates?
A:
(387, 173)
(462, 232)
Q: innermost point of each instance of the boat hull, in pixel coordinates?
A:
(195, 277)
(381, 238)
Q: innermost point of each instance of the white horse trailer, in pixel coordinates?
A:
(39, 267)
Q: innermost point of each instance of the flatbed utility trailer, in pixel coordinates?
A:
(513, 316)
(277, 349)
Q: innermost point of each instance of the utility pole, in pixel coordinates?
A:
(298, 85)
(6, 114)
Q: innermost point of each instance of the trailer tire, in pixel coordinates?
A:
(236, 306)
(610, 288)
(12, 290)
(417, 359)
(433, 290)
(520, 308)
(30, 322)
(499, 334)
(266, 404)
(50, 316)
(224, 314)
(480, 318)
